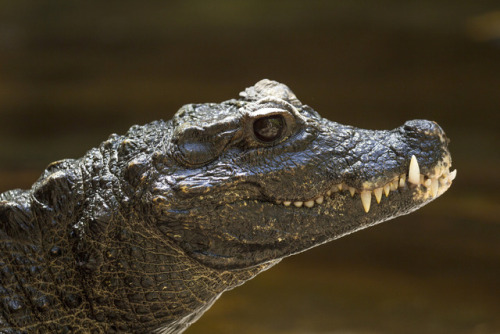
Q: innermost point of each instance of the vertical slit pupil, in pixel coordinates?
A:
(268, 129)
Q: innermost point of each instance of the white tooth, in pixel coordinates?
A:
(402, 181)
(329, 192)
(319, 200)
(287, 203)
(414, 171)
(387, 189)
(394, 185)
(309, 204)
(427, 183)
(298, 204)
(443, 181)
(378, 194)
(352, 191)
(434, 187)
(440, 170)
(453, 175)
(366, 198)
(339, 186)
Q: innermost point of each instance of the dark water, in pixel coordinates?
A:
(71, 73)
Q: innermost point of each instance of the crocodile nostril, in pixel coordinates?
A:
(419, 127)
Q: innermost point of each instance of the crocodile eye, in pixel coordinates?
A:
(269, 129)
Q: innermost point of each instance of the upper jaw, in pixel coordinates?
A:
(364, 163)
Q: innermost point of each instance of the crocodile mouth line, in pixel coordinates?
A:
(431, 185)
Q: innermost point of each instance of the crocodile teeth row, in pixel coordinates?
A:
(414, 177)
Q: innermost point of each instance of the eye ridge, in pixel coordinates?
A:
(270, 128)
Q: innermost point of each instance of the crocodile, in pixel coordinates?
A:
(144, 232)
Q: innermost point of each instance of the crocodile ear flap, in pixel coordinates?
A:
(197, 152)
(197, 146)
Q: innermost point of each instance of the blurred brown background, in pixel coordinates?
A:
(72, 72)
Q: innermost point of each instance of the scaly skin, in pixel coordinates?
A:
(143, 233)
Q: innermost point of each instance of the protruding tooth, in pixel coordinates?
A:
(378, 194)
(319, 200)
(352, 191)
(339, 186)
(440, 169)
(434, 187)
(428, 183)
(402, 181)
(287, 203)
(328, 193)
(298, 204)
(366, 198)
(387, 189)
(394, 184)
(443, 181)
(453, 175)
(309, 204)
(414, 171)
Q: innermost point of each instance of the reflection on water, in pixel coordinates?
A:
(71, 74)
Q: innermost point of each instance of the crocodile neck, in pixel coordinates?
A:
(146, 283)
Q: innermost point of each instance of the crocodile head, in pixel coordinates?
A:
(253, 180)
(143, 233)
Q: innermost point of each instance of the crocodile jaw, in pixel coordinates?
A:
(425, 187)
